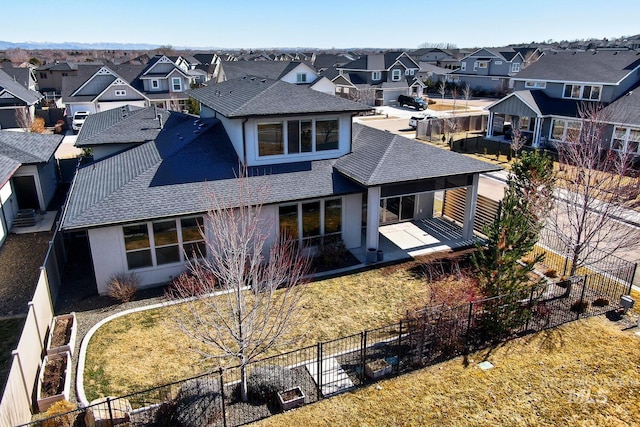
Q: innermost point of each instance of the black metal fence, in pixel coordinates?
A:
(312, 373)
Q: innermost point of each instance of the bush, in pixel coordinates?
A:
(38, 125)
(579, 306)
(265, 382)
(600, 302)
(123, 286)
(330, 255)
(551, 273)
(58, 408)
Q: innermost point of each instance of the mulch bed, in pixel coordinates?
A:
(54, 376)
(61, 332)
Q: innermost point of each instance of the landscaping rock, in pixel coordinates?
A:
(199, 403)
(98, 415)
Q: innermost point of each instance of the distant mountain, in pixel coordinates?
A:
(77, 46)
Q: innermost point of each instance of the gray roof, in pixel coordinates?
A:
(379, 62)
(127, 72)
(8, 166)
(265, 69)
(22, 75)
(27, 147)
(542, 104)
(253, 96)
(591, 67)
(172, 177)
(625, 109)
(122, 125)
(384, 158)
(16, 89)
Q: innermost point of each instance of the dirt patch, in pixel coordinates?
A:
(61, 332)
(53, 378)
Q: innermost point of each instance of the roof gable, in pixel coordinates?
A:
(10, 86)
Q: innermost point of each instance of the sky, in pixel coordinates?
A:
(321, 24)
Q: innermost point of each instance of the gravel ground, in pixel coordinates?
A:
(20, 259)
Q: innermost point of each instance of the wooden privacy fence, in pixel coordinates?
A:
(435, 128)
(18, 396)
(453, 207)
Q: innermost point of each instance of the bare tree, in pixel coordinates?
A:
(595, 180)
(442, 88)
(466, 93)
(363, 94)
(260, 293)
(517, 139)
(23, 118)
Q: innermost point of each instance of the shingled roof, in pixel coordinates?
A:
(255, 96)
(8, 84)
(127, 124)
(8, 166)
(27, 147)
(608, 67)
(384, 158)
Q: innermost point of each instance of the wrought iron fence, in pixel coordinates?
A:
(309, 374)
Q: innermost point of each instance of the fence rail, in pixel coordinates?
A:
(432, 335)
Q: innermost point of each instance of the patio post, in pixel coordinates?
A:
(470, 205)
(490, 124)
(536, 133)
(373, 217)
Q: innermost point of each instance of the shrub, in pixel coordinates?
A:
(38, 125)
(188, 285)
(431, 101)
(579, 306)
(123, 286)
(551, 273)
(265, 382)
(58, 408)
(600, 302)
(198, 403)
(330, 255)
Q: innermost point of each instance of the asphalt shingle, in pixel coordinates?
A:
(26, 147)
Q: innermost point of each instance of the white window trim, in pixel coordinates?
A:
(376, 75)
(301, 77)
(120, 92)
(475, 66)
(581, 97)
(285, 137)
(298, 205)
(155, 84)
(483, 64)
(532, 84)
(498, 62)
(173, 84)
(396, 75)
(463, 66)
(564, 131)
(627, 133)
(515, 67)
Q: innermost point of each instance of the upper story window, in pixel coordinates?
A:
(376, 75)
(483, 64)
(587, 92)
(498, 62)
(301, 78)
(626, 140)
(298, 136)
(43, 75)
(155, 84)
(176, 83)
(121, 92)
(65, 74)
(463, 66)
(396, 75)
(530, 84)
(163, 242)
(515, 67)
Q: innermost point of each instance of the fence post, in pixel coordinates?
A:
(566, 262)
(224, 409)
(633, 274)
(110, 411)
(466, 336)
(363, 353)
(526, 326)
(319, 382)
(584, 286)
(399, 346)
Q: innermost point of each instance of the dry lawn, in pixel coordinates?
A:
(585, 373)
(144, 349)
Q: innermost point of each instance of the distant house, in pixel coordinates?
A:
(546, 98)
(28, 174)
(23, 75)
(328, 179)
(50, 76)
(381, 78)
(159, 83)
(15, 97)
(491, 70)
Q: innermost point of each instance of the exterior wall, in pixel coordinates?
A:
(292, 76)
(390, 73)
(513, 106)
(251, 130)
(424, 205)
(7, 210)
(390, 96)
(483, 83)
(163, 85)
(352, 220)
(32, 170)
(48, 177)
(110, 94)
(185, 81)
(74, 107)
(110, 105)
(325, 86)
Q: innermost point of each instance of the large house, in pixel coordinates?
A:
(547, 95)
(381, 78)
(326, 177)
(159, 83)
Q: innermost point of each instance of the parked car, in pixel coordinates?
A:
(78, 120)
(413, 121)
(411, 101)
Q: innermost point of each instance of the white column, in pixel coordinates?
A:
(536, 133)
(373, 217)
(490, 125)
(470, 208)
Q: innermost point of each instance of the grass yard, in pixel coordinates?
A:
(584, 373)
(443, 106)
(141, 350)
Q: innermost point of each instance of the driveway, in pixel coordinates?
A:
(67, 149)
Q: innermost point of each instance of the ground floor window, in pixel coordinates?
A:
(562, 130)
(626, 140)
(396, 209)
(312, 223)
(163, 242)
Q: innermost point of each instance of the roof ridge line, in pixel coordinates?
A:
(384, 156)
(131, 113)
